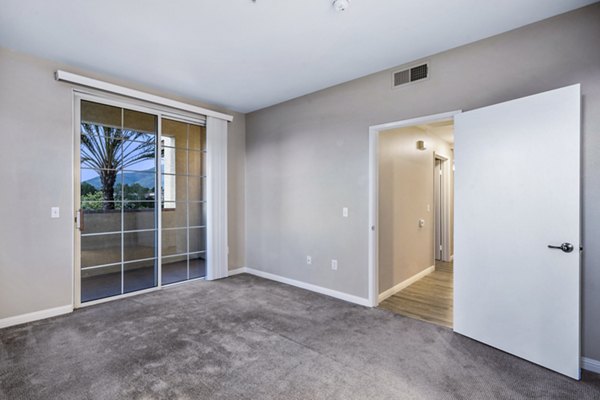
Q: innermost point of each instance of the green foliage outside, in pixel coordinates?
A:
(92, 199)
(135, 192)
(87, 188)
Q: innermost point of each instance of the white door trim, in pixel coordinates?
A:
(374, 192)
(76, 196)
(445, 196)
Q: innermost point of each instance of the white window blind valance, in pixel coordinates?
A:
(137, 94)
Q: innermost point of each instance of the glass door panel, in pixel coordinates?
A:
(118, 216)
(183, 158)
(139, 275)
(100, 282)
(174, 269)
(174, 215)
(197, 265)
(100, 249)
(196, 163)
(174, 241)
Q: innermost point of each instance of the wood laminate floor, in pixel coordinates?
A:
(429, 299)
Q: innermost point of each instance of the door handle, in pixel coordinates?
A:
(566, 247)
(79, 220)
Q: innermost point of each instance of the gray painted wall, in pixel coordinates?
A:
(308, 157)
(405, 189)
(36, 171)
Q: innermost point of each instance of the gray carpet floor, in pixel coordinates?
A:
(248, 338)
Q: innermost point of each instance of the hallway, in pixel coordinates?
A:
(429, 299)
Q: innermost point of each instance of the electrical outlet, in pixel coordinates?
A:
(308, 260)
(334, 265)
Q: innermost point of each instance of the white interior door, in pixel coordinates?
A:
(517, 189)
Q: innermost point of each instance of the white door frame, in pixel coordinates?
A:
(438, 203)
(374, 192)
(446, 206)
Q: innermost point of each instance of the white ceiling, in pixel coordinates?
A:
(247, 55)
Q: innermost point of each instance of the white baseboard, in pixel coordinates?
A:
(392, 291)
(303, 285)
(589, 364)
(34, 316)
(241, 270)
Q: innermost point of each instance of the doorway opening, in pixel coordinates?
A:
(507, 238)
(414, 214)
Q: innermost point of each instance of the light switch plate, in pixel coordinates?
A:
(334, 265)
(345, 212)
(54, 212)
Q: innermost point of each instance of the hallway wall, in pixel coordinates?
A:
(405, 192)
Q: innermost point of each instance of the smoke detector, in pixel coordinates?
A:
(341, 5)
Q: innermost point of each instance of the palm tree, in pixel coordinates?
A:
(111, 150)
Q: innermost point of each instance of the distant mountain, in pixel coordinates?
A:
(144, 178)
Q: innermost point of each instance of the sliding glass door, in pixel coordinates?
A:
(183, 207)
(117, 217)
(122, 158)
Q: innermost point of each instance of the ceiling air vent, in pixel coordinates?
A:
(401, 77)
(412, 74)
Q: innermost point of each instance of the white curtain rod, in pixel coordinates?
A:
(136, 94)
